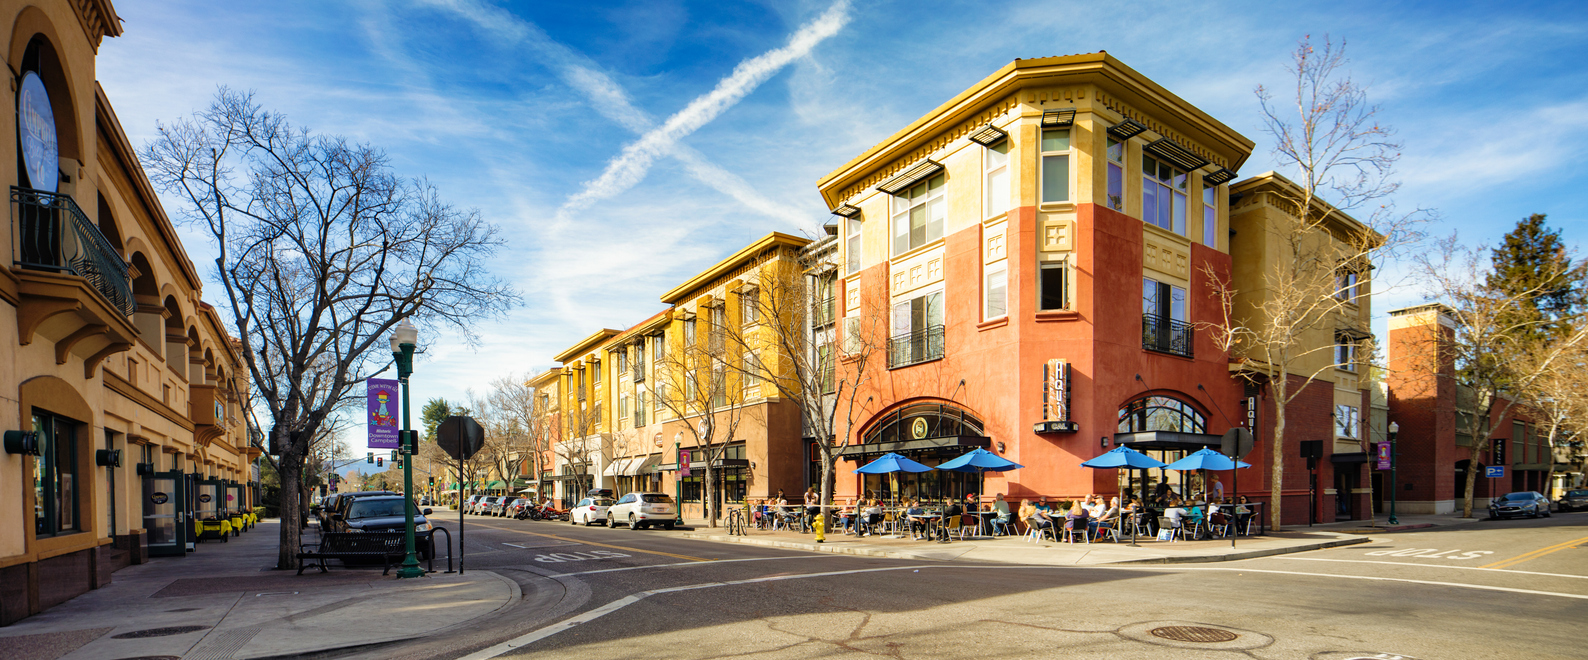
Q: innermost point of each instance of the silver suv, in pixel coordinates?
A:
(643, 510)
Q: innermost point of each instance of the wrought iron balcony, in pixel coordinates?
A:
(822, 313)
(920, 346)
(53, 234)
(1166, 335)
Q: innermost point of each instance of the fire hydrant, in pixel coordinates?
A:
(820, 525)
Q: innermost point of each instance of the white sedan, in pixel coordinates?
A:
(589, 511)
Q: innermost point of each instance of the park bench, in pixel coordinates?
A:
(385, 546)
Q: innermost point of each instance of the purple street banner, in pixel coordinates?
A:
(382, 413)
(683, 464)
(1383, 455)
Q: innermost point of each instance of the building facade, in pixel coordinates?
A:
(1041, 251)
(122, 391)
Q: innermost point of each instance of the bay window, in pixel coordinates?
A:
(852, 245)
(1053, 290)
(1210, 216)
(1116, 174)
(1345, 421)
(917, 330)
(996, 163)
(1163, 193)
(1056, 165)
(1163, 318)
(996, 292)
(918, 215)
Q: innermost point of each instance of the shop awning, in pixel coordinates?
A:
(701, 465)
(495, 485)
(616, 467)
(907, 447)
(647, 465)
(1167, 440)
(1348, 457)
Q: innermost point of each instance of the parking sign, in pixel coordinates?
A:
(1494, 472)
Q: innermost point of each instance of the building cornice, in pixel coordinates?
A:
(683, 291)
(590, 342)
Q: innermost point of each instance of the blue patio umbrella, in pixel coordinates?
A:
(1124, 457)
(980, 460)
(889, 463)
(1207, 459)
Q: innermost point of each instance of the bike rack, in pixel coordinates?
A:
(433, 548)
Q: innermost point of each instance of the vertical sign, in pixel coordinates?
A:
(1251, 414)
(1056, 390)
(1383, 455)
(1498, 449)
(382, 413)
(683, 464)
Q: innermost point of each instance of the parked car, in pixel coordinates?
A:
(519, 508)
(642, 510)
(484, 506)
(499, 507)
(469, 503)
(589, 511)
(1573, 500)
(323, 513)
(339, 511)
(1522, 503)
(384, 513)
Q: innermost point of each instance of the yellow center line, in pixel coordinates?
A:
(1529, 556)
(603, 545)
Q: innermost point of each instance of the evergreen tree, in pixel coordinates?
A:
(435, 412)
(1535, 262)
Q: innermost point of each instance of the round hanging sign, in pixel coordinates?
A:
(918, 428)
(204, 498)
(41, 154)
(159, 498)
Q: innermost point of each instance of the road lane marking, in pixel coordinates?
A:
(520, 547)
(1422, 553)
(1403, 563)
(586, 617)
(594, 543)
(1529, 556)
(560, 557)
(692, 563)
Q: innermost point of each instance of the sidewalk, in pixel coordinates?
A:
(1017, 550)
(224, 601)
(1403, 522)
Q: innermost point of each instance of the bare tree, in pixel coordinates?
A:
(525, 414)
(1560, 397)
(796, 346)
(580, 439)
(321, 251)
(1327, 133)
(1489, 347)
(701, 389)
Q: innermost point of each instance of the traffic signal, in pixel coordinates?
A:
(432, 482)
(370, 458)
(394, 454)
(398, 464)
(380, 461)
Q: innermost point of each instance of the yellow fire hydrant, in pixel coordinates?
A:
(820, 525)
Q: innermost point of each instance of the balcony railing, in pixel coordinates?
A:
(53, 234)
(920, 346)
(1166, 335)
(822, 314)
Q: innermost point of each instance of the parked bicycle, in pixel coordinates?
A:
(737, 523)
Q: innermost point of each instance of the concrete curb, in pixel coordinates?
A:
(1385, 530)
(1250, 554)
(872, 552)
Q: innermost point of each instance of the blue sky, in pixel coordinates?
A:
(534, 113)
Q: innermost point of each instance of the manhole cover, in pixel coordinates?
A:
(1196, 634)
(159, 632)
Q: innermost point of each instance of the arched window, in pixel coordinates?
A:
(1161, 413)
(924, 420)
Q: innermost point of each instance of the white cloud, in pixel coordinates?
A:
(630, 166)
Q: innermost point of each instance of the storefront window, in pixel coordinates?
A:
(55, 483)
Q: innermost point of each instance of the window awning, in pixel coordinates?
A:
(616, 467)
(1171, 151)
(988, 136)
(915, 174)
(1058, 118)
(1218, 176)
(1168, 440)
(847, 210)
(907, 447)
(644, 465)
(1127, 129)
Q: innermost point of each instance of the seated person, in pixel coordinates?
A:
(846, 517)
(872, 515)
(1005, 517)
(913, 512)
(1077, 517)
(953, 510)
(1176, 514)
(1107, 516)
(1032, 517)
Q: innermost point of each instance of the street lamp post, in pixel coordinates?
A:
(678, 482)
(1394, 458)
(403, 339)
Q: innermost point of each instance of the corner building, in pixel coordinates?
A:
(109, 356)
(1038, 252)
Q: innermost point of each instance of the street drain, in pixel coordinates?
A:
(1196, 634)
(159, 632)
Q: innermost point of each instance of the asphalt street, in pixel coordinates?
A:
(1488, 589)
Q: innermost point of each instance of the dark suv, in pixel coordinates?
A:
(382, 513)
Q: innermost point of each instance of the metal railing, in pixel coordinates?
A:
(822, 313)
(53, 234)
(1166, 335)
(920, 346)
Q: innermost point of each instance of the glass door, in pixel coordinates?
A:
(163, 514)
(211, 494)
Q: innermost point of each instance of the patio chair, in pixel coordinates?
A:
(1035, 530)
(1176, 532)
(1001, 526)
(950, 526)
(1073, 526)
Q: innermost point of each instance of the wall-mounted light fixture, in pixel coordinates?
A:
(22, 442)
(1000, 446)
(1105, 441)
